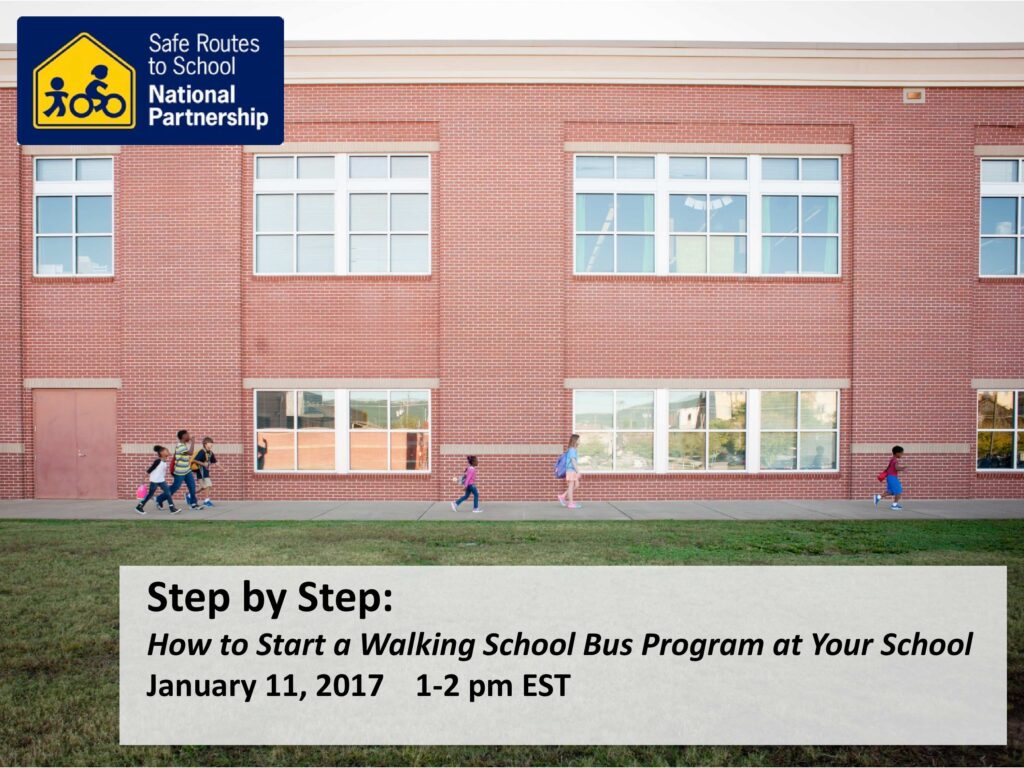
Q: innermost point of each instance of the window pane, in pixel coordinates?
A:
(998, 215)
(727, 255)
(778, 410)
(593, 409)
(410, 410)
(687, 168)
(728, 167)
(95, 255)
(368, 410)
(316, 409)
(53, 255)
(818, 410)
(1020, 413)
(275, 410)
(688, 254)
(410, 254)
(368, 253)
(53, 214)
(595, 451)
(93, 214)
(275, 167)
(315, 213)
(999, 171)
(687, 409)
(367, 167)
(779, 214)
(316, 451)
(728, 213)
(53, 170)
(368, 213)
(820, 169)
(410, 451)
(410, 167)
(998, 255)
(995, 450)
(781, 168)
(595, 253)
(274, 213)
(635, 167)
(316, 167)
(274, 253)
(778, 450)
(634, 451)
(688, 213)
(368, 450)
(594, 213)
(995, 410)
(636, 253)
(727, 451)
(94, 169)
(635, 410)
(275, 451)
(821, 255)
(821, 214)
(817, 450)
(779, 255)
(727, 410)
(686, 451)
(409, 213)
(315, 253)
(635, 213)
(595, 168)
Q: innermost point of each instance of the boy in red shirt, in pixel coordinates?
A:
(893, 486)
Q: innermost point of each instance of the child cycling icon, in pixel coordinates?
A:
(94, 99)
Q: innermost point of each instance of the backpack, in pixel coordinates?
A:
(562, 465)
(883, 474)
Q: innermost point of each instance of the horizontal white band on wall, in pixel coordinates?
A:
(39, 150)
(82, 383)
(999, 150)
(134, 449)
(303, 147)
(707, 383)
(12, 447)
(341, 383)
(501, 449)
(708, 148)
(873, 448)
(997, 383)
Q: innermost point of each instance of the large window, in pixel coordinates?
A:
(1002, 211)
(616, 429)
(707, 430)
(386, 431)
(342, 214)
(1001, 429)
(73, 216)
(686, 215)
(799, 430)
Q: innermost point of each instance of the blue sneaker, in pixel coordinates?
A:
(878, 498)
(207, 503)
(896, 506)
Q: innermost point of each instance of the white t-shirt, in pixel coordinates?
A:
(159, 474)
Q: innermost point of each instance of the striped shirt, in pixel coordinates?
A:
(182, 459)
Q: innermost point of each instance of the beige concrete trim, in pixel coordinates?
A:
(997, 383)
(424, 383)
(331, 147)
(934, 448)
(83, 383)
(999, 150)
(39, 150)
(135, 449)
(708, 149)
(500, 449)
(707, 383)
(12, 447)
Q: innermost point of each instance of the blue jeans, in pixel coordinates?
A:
(470, 489)
(190, 494)
(152, 490)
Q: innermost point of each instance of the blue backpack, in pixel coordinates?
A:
(561, 465)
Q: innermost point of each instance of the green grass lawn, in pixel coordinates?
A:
(59, 609)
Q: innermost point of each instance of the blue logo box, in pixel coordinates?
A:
(151, 80)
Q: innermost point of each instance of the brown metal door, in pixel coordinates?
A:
(96, 421)
(75, 443)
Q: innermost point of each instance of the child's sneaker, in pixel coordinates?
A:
(477, 511)
(140, 509)
(896, 506)
(574, 506)
(878, 498)
(207, 503)
(174, 510)
(160, 506)
(455, 507)
(195, 507)
(561, 499)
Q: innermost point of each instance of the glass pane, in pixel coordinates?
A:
(315, 253)
(593, 409)
(687, 409)
(995, 410)
(53, 255)
(688, 213)
(275, 451)
(635, 213)
(635, 410)
(727, 410)
(1020, 413)
(53, 170)
(779, 214)
(368, 213)
(316, 451)
(778, 410)
(94, 169)
(94, 214)
(636, 253)
(728, 213)
(999, 171)
(688, 255)
(635, 167)
(780, 168)
(410, 167)
(727, 451)
(410, 410)
(368, 253)
(821, 169)
(316, 409)
(817, 450)
(779, 255)
(998, 215)
(410, 451)
(274, 213)
(316, 213)
(274, 410)
(821, 214)
(995, 450)
(998, 255)
(595, 452)
(687, 168)
(685, 451)
(820, 255)
(409, 213)
(778, 450)
(274, 253)
(727, 255)
(53, 214)
(95, 255)
(594, 213)
(634, 451)
(410, 254)
(595, 167)
(368, 450)
(368, 410)
(367, 167)
(595, 253)
(728, 167)
(818, 409)
(316, 167)
(275, 167)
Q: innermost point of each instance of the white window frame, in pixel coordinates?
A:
(341, 186)
(1016, 431)
(74, 189)
(1013, 189)
(754, 188)
(799, 429)
(707, 431)
(615, 431)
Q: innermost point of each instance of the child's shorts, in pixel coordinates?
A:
(204, 482)
(893, 485)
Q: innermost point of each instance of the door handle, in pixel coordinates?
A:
(81, 455)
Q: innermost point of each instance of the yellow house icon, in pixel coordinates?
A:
(83, 85)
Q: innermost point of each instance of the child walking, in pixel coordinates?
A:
(182, 472)
(469, 483)
(201, 466)
(572, 473)
(893, 486)
(157, 479)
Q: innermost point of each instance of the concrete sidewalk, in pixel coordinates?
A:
(937, 509)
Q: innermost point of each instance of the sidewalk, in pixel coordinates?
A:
(936, 509)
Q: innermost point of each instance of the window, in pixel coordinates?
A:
(386, 431)
(799, 430)
(74, 216)
(1002, 209)
(616, 429)
(707, 430)
(380, 203)
(680, 215)
(1001, 429)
